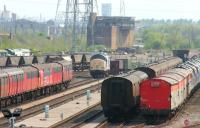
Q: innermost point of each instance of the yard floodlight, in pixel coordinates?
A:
(6, 113)
(11, 116)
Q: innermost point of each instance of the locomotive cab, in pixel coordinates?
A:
(99, 65)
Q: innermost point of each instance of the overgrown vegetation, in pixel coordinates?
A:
(38, 42)
(35, 40)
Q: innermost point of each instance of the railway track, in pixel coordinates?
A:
(82, 74)
(55, 100)
(81, 82)
(80, 119)
(125, 124)
(112, 125)
(135, 123)
(96, 120)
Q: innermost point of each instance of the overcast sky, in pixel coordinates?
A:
(157, 9)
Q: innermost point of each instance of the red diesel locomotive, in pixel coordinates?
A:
(18, 84)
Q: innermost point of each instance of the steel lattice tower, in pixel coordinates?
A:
(74, 15)
(122, 8)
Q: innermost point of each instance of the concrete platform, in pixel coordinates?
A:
(68, 109)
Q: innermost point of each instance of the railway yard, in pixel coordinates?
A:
(83, 65)
(79, 105)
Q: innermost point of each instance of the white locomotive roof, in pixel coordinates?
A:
(100, 53)
(97, 55)
(67, 58)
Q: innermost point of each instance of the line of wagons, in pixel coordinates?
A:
(120, 94)
(103, 65)
(18, 84)
(165, 94)
(100, 64)
(157, 90)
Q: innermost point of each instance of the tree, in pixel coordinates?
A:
(153, 40)
(170, 34)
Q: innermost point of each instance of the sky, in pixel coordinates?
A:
(140, 9)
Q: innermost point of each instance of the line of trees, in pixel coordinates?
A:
(168, 34)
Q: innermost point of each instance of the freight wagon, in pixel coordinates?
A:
(118, 66)
(120, 94)
(80, 61)
(166, 93)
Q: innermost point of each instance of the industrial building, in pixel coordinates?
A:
(113, 32)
